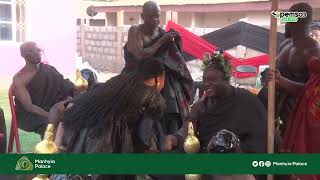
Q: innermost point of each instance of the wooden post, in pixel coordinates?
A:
(271, 84)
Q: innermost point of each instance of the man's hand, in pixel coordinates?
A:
(169, 36)
(57, 111)
(270, 75)
(170, 142)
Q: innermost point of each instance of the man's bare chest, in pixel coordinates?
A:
(150, 38)
(297, 60)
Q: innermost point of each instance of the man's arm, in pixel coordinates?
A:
(291, 87)
(177, 139)
(24, 97)
(135, 43)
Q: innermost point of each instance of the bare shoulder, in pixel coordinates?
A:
(18, 80)
(22, 78)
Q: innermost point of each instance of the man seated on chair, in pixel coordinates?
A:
(37, 87)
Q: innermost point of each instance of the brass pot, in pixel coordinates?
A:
(47, 145)
(81, 84)
(191, 143)
(193, 177)
(41, 177)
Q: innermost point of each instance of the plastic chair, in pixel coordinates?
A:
(14, 133)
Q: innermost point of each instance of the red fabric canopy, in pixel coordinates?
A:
(197, 47)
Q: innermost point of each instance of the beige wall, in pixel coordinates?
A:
(198, 18)
(258, 18)
(244, 52)
(131, 18)
(252, 53)
(220, 20)
(184, 19)
(163, 19)
(111, 19)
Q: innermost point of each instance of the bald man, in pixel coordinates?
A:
(148, 40)
(37, 87)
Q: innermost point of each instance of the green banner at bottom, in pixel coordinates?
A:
(160, 164)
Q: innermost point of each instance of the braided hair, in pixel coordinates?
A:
(122, 98)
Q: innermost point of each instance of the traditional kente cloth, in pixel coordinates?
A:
(303, 130)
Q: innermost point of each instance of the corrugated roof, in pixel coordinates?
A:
(172, 2)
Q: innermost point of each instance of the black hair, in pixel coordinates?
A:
(120, 99)
(217, 65)
(149, 5)
(287, 32)
(149, 68)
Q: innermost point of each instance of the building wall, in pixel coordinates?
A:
(259, 18)
(184, 19)
(54, 32)
(100, 47)
(131, 18)
(220, 20)
(101, 43)
(81, 7)
(111, 19)
(199, 18)
(163, 19)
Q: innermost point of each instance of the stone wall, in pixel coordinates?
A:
(102, 46)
